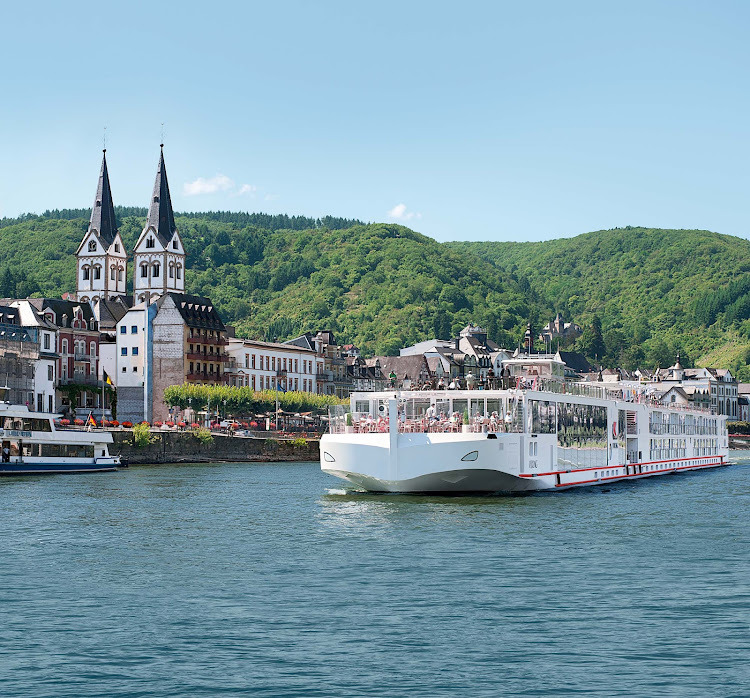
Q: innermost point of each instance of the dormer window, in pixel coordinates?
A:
(92, 245)
(150, 242)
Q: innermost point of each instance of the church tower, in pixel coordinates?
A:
(159, 257)
(101, 258)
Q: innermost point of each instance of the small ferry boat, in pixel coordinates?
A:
(541, 434)
(32, 444)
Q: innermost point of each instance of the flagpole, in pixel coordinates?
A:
(102, 396)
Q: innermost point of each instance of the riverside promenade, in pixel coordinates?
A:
(184, 447)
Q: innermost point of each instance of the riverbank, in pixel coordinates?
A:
(184, 447)
(740, 443)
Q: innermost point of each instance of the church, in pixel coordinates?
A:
(158, 335)
(158, 257)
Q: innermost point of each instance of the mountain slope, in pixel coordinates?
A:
(382, 286)
(686, 288)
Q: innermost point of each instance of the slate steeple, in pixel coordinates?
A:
(159, 256)
(160, 214)
(101, 258)
(103, 211)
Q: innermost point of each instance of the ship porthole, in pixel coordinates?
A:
(328, 457)
(473, 455)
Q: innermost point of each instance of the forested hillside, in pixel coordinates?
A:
(654, 291)
(379, 286)
(641, 294)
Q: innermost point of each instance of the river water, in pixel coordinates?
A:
(273, 580)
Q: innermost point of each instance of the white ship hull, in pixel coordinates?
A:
(411, 459)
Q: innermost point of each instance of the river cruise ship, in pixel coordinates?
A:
(32, 444)
(538, 435)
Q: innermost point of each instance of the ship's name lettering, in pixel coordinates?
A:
(16, 432)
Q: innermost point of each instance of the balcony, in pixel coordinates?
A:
(200, 356)
(83, 357)
(80, 379)
(206, 376)
(216, 341)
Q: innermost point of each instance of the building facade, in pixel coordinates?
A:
(271, 366)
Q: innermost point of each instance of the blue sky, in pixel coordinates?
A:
(473, 121)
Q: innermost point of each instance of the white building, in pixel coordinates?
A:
(102, 262)
(132, 365)
(159, 256)
(45, 367)
(271, 365)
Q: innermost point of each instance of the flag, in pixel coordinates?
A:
(106, 378)
(279, 388)
(91, 420)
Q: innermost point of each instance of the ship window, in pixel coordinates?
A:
(473, 455)
(328, 457)
(543, 417)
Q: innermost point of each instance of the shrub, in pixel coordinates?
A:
(204, 436)
(195, 425)
(142, 435)
(298, 443)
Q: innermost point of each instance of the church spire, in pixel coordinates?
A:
(160, 214)
(103, 211)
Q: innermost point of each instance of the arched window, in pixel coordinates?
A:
(65, 346)
(142, 298)
(150, 242)
(92, 245)
(119, 274)
(112, 272)
(155, 269)
(144, 271)
(171, 271)
(179, 271)
(86, 273)
(97, 272)
(92, 350)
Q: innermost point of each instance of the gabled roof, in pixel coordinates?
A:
(403, 366)
(304, 340)
(197, 311)
(110, 312)
(62, 307)
(103, 212)
(575, 361)
(160, 214)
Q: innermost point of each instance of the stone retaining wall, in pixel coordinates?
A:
(175, 447)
